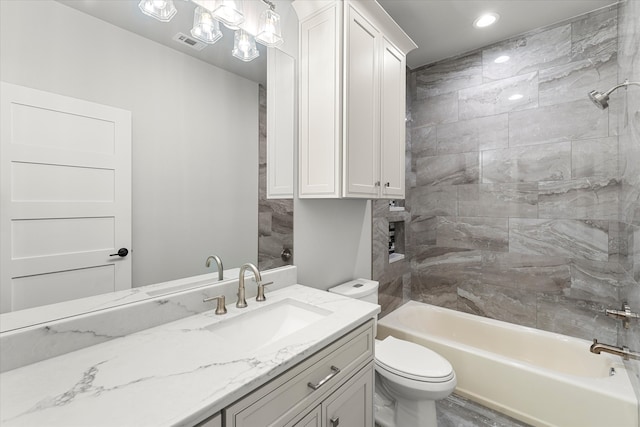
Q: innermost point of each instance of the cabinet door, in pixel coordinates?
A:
(392, 121)
(312, 419)
(352, 404)
(362, 97)
(320, 100)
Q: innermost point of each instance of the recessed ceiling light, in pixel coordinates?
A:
(515, 97)
(501, 59)
(486, 20)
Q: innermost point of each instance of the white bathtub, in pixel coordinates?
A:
(538, 377)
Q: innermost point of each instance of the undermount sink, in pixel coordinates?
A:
(267, 324)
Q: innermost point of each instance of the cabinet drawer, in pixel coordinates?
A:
(287, 396)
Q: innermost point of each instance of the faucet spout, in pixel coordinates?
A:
(623, 352)
(219, 263)
(242, 301)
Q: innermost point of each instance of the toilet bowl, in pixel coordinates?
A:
(409, 377)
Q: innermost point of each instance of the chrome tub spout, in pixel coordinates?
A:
(623, 352)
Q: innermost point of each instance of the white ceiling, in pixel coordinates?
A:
(443, 28)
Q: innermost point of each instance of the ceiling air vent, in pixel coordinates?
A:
(189, 41)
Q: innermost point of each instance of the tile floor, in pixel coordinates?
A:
(456, 411)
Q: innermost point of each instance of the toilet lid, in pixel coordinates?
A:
(412, 361)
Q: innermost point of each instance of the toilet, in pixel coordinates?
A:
(409, 377)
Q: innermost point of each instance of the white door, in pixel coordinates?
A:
(65, 176)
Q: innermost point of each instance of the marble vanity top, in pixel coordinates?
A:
(172, 374)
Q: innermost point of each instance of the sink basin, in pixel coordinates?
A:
(268, 324)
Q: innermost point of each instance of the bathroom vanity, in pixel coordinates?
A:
(303, 357)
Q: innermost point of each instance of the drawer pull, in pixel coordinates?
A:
(334, 371)
(335, 422)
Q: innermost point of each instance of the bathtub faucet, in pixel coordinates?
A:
(625, 315)
(623, 352)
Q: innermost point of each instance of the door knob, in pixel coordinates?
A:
(122, 252)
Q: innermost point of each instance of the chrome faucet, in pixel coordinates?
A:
(242, 301)
(623, 352)
(219, 263)
(625, 315)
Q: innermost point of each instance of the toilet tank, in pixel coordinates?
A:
(362, 289)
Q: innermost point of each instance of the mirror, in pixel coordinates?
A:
(195, 126)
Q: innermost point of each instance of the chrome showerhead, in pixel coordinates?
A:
(601, 100)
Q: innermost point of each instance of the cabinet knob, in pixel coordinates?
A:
(377, 184)
(387, 184)
(335, 422)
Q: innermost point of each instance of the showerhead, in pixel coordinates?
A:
(601, 100)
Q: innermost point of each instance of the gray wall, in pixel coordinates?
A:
(195, 131)
(629, 149)
(514, 204)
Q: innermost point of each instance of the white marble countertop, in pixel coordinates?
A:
(172, 374)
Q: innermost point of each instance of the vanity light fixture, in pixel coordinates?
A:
(501, 59)
(229, 12)
(269, 33)
(244, 46)
(205, 28)
(486, 19)
(209, 13)
(162, 10)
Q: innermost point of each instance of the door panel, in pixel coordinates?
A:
(65, 175)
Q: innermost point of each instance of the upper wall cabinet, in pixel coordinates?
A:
(352, 100)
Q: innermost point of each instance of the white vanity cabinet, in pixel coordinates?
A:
(332, 387)
(352, 100)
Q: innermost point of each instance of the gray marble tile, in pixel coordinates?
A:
(498, 302)
(264, 223)
(423, 230)
(456, 411)
(572, 81)
(449, 75)
(437, 272)
(596, 34)
(502, 96)
(598, 282)
(533, 273)
(498, 200)
(527, 164)
(584, 198)
(528, 53)
(390, 295)
(573, 239)
(594, 158)
(472, 135)
(450, 169)
(575, 318)
(434, 201)
(423, 142)
(473, 233)
(556, 123)
(435, 110)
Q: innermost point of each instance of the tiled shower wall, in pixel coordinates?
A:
(629, 150)
(514, 200)
(275, 216)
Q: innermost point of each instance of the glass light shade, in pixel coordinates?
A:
(205, 28)
(162, 10)
(244, 46)
(269, 30)
(229, 12)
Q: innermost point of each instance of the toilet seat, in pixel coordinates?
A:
(412, 361)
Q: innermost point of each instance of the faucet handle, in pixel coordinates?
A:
(221, 307)
(261, 286)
